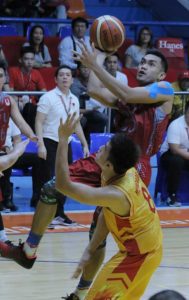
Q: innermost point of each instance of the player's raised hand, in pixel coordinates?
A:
(68, 127)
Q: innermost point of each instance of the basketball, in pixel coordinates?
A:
(107, 33)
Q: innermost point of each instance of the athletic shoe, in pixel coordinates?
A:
(172, 201)
(17, 254)
(64, 221)
(8, 204)
(8, 242)
(71, 297)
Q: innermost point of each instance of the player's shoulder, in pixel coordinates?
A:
(164, 84)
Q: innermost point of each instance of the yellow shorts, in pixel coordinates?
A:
(125, 277)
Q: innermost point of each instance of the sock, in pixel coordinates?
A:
(31, 244)
(82, 288)
(81, 293)
(3, 236)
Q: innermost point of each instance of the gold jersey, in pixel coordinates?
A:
(139, 233)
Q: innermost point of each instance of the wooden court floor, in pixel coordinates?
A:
(59, 253)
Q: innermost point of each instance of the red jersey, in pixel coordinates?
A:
(5, 109)
(145, 124)
(20, 81)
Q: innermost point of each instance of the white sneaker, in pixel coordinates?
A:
(172, 201)
(63, 221)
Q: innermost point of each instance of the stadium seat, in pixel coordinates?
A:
(161, 185)
(46, 30)
(77, 151)
(77, 9)
(8, 30)
(131, 75)
(172, 74)
(65, 31)
(48, 76)
(173, 49)
(52, 43)
(31, 148)
(11, 46)
(98, 140)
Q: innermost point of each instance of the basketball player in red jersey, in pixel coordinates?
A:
(8, 108)
(144, 123)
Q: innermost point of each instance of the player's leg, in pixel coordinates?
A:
(125, 277)
(3, 236)
(90, 271)
(25, 253)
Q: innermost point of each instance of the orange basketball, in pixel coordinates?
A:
(107, 33)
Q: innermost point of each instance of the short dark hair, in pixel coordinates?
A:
(114, 54)
(167, 295)
(161, 56)
(62, 67)
(26, 49)
(80, 20)
(139, 43)
(124, 153)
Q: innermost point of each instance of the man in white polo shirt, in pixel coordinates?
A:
(175, 154)
(53, 106)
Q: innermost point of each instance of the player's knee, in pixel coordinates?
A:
(48, 193)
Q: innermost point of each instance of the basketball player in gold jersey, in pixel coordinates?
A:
(128, 213)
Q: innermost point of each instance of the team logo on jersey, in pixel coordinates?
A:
(7, 101)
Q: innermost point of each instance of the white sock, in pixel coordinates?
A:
(29, 251)
(81, 293)
(3, 236)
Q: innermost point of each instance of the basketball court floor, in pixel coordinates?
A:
(61, 248)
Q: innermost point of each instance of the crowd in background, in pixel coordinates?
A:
(35, 56)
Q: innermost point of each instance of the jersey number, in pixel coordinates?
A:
(148, 198)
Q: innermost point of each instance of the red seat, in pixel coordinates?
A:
(173, 49)
(172, 75)
(77, 9)
(131, 75)
(48, 76)
(12, 47)
(52, 43)
(122, 49)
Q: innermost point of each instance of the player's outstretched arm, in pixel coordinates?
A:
(100, 234)
(20, 122)
(153, 93)
(6, 161)
(107, 196)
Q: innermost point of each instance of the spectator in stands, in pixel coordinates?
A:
(25, 78)
(36, 41)
(69, 43)
(167, 295)
(27, 160)
(112, 66)
(175, 154)
(3, 61)
(94, 117)
(56, 9)
(52, 106)
(134, 53)
(182, 84)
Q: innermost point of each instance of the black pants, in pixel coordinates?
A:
(47, 169)
(174, 164)
(24, 162)
(93, 121)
